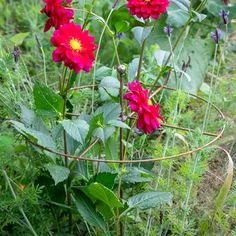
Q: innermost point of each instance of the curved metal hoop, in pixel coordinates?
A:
(184, 154)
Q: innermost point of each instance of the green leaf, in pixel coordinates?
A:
(161, 57)
(109, 87)
(132, 69)
(77, 129)
(103, 133)
(111, 111)
(6, 146)
(19, 38)
(149, 200)
(106, 179)
(214, 7)
(200, 51)
(220, 199)
(178, 13)
(87, 210)
(102, 193)
(104, 210)
(141, 33)
(137, 175)
(103, 72)
(58, 173)
(34, 135)
(118, 123)
(46, 101)
(112, 151)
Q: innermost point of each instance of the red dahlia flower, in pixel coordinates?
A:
(226, 2)
(57, 13)
(74, 47)
(139, 102)
(147, 8)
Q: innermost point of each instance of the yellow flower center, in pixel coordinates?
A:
(149, 102)
(147, 0)
(75, 45)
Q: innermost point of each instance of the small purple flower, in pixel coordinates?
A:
(168, 30)
(120, 35)
(225, 16)
(217, 35)
(16, 54)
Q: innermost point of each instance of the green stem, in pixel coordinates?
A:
(211, 92)
(116, 50)
(44, 66)
(65, 93)
(88, 14)
(141, 59)
(20, 208)
(96, 57)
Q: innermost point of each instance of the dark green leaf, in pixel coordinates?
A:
(87, 210)
(58, 173)
(102, 193)
(149, 200)
(46, 101)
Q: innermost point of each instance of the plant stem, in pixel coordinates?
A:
(20, 208)
(121, 71)
(64, 94)
(211, 92)
(96, 57)
(44, 66)
(88, 14)
(141, 59)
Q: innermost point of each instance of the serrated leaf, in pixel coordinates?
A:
(46, 101)
(118, 123)
(103, 133)
(58, 173)
(106, 179)
(109, 87)
(137, 175)
(148, 200)
(102, 193)
(87, 210)
(111, 111)
(77, 129)
(104, 210)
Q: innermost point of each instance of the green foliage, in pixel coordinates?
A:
(74, 197)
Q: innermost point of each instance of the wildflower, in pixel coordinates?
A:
(120, 35)
(16, 54)
(217, 35)
(57, 13)
(147, 8)
(139, 102)
(74, 47)
(225, 16)
(168, 30)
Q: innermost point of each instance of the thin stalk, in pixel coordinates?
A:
(65, 92)
(169, 57)
(88, 14)
(20, 208)
(116, 50)
(44, 66)
(141, 59)
(211, 92)
(96, 57)
(121, 71)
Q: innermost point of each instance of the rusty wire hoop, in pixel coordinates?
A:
(183, 154)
